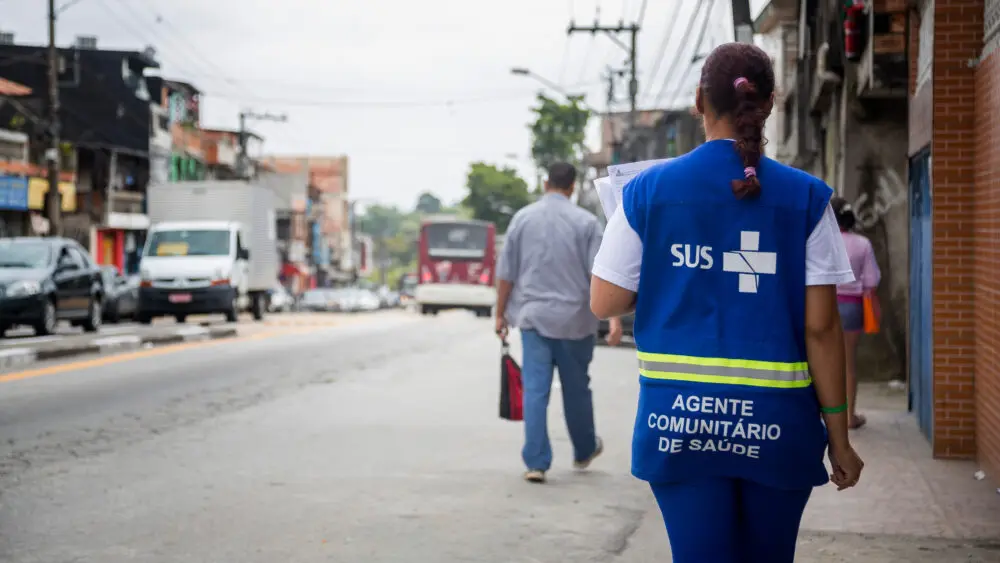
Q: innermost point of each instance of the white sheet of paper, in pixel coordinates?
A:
(610, 196)
(620, 174)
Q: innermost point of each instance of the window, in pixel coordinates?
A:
(24, 253)
(80, 256)
(456, 240)
(189, 243)
(70, 259)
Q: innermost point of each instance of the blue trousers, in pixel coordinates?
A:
(721, 520)
(572, 357)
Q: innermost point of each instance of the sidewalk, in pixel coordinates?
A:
(907, 508)
(15, 354)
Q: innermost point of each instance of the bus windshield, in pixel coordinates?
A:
(456, 240)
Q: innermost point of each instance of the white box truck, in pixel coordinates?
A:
(212, 248)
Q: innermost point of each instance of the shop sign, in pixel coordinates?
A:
(13, 193)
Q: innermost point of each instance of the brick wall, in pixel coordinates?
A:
(957, 39)
(986, 222)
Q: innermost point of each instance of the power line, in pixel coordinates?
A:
(386, 104)
(208, 62)
(697, 47)
(129, 24)
(642, 12)
(684, 41)
(663, 47)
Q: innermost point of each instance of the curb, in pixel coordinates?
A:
(20, 357)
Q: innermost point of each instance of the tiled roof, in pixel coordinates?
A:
(12, 89)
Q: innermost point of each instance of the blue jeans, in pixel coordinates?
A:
(730, 520)
(572, 357)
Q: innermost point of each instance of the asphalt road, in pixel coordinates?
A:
(377, 441)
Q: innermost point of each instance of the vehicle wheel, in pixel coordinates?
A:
(425, 310)
(143, 319)
(181, 319)
(47, 324)
(232, 315)
(93, 321)
(484, 313)
(257, 308)
(3, 331)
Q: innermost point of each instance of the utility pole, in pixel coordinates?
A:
(53, 199)
(244, 160)
(631, 48)
(616, 144)
(742, 21)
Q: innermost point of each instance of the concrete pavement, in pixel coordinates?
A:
(21, 348)
(378, 441)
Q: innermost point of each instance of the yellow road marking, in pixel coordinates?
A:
(169, 349)
(137, 355)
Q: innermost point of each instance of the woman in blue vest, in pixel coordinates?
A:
(731, 261)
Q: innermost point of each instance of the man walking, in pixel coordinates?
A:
(544, 290)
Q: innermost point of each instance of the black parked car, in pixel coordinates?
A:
(627, 322)
(45, 280)
(121, 295)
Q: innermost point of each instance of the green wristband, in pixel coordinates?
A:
(834, 410)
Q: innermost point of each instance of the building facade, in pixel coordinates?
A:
(954, 164)
(106, 124)
(904, 125)
(330, 242)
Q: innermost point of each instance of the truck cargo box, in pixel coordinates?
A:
(249, 204)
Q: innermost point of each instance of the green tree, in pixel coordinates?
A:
(558, 131)
(380, 220)
(495, 194)
(429, 203)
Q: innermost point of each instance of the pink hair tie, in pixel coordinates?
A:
(740, 82)
(749, 172)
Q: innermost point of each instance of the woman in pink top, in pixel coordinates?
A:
(850, 296)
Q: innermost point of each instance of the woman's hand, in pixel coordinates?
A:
(847, 466)
(614, 337)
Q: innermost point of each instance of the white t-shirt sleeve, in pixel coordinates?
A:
(620, 257)
(826, 255)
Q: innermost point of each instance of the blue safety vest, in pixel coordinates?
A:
(725, 388)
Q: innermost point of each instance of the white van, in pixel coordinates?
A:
(196, 267)
(212, 249)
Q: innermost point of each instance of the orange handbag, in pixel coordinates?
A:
(872, 313)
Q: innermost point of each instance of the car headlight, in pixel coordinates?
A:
(23, 289)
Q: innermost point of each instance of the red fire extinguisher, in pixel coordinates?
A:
(853, 43)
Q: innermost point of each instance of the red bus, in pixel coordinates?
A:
(456, 265)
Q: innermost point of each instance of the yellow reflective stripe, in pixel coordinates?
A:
(724, 362)
(726, 379)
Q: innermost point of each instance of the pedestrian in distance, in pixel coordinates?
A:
(730, 261)
(851, 296)
(544, 290)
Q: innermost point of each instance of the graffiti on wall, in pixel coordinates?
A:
(875, 201)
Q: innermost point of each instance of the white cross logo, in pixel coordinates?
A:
(749, 262)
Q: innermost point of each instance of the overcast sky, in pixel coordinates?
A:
(411, 91)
